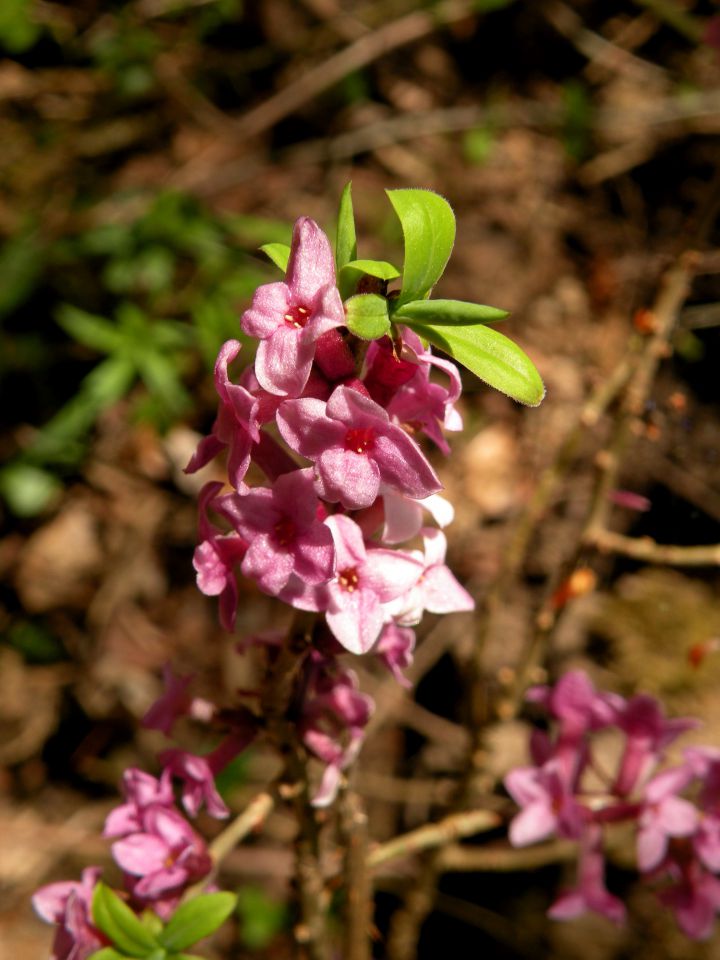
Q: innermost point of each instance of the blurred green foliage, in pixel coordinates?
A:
(261, 918)
(171, 281)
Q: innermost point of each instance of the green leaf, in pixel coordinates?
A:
(449, 311)
(92, 331)
(346, 242)
(373, 268)
(196, 919)
(367, 316)
(428, 226)
(107, 953)
(117, 921)
(489, 355)
(279, 253)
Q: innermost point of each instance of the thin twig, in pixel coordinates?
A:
(434, 835)
(645, 548)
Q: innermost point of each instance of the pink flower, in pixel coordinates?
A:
(215, 559)
(694, 900)
(424, 405)
(335, 715)
(288, 318)
(357, 451)
(395, 649)
(68, 906)
(437, 590)
(163, 858)
(404, 516)
(198, 773)
(590, 893)
(284, 532)
(648, 733)
(236, 425)
(547, 805)
(366, 579)
(664, 815)
(141, 791)
(175, 702)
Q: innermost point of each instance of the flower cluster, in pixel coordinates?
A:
(675, 811)
(345, 525)
(331, 421)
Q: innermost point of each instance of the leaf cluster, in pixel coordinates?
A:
(146, 937)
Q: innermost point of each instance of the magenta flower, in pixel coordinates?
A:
(648, 733)
(164, 858)
(590, 893)
(67, 905)
(548, 806)
(141, 791)
(175, 702)
(357, 451)
(236, 425)
(366, 579)
(664, 815)
(437, 590)
(694, 900)
(285, 535)
(198, 773)
(424, 405)
(333, 723)
(395, 650)
(288, 318)
(215, 559)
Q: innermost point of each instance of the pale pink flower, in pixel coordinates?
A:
(366, 579)
(664, 815)
(358, 453)
(175, 702)
(141, 790)
(548, 806)
(395, 649)
(288, 318)
(437, 590)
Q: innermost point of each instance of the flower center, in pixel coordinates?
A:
(348, 579)
(297, 317)
(360, 439)
(284, 532)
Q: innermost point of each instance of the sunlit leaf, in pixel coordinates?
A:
(428, 226)
(367, 316)
(279, 253)
(489, 355)
(449, 311)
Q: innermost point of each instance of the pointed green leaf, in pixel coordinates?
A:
(196, 919)
(279, 253)
(346, 243)
(428, 226)
(489, 355)
(449, 311)
(366, 315)
(373, 268)
(118, 922)
(98, 333)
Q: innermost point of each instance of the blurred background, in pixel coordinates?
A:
(147, 149)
